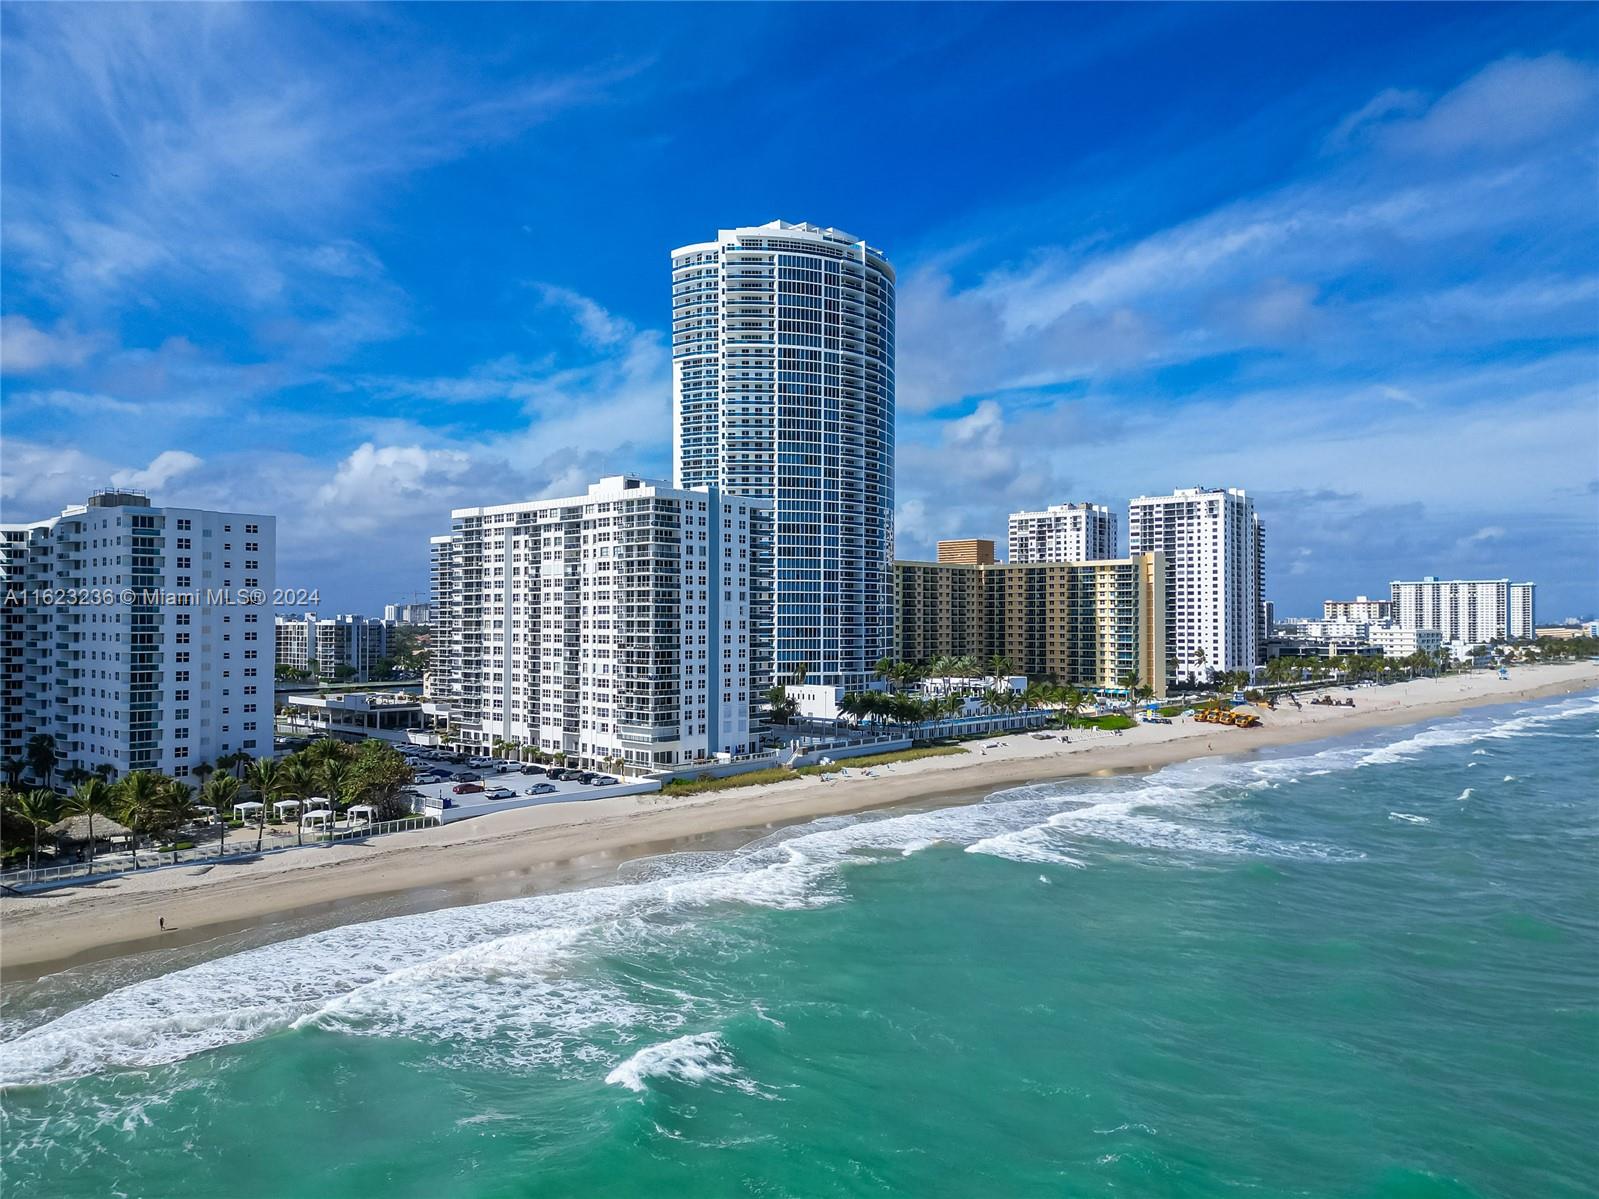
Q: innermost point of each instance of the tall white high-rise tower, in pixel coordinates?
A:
(1215, 550)
(783, 388)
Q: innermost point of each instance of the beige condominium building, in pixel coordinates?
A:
(969, 551)
(1084, 623)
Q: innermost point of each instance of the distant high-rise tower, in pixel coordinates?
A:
(783, 388)
(1215, 551)
(1063, 533)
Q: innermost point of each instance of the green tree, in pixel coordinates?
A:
(40, 752)
(221, 791)
(176, 810)
(780, 705)
(265, 782)
(136, 799)
(298, 780)
(37, 809)
(377, 775)
(90, 799)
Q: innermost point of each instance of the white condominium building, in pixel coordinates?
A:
(1063, 533)
(412, 613)
(1473, 611)
(342, 648)
(632, 622)
(1215, 569)
(783, 389)
(137, 637)
(1395, 641)
(1360, 608)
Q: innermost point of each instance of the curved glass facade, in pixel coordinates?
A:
(783, 388)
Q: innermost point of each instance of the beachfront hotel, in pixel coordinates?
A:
(632, 622)
(1085, 623)
(1063, 533)
(1468, 611)
(1215, 570)
(783, 389)
(138, 637)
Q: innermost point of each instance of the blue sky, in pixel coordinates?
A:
(355, 266)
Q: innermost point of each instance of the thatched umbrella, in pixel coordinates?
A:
(74, 830)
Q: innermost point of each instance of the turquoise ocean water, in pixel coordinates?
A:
(1360, 968)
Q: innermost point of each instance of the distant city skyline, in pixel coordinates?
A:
(1339, 259)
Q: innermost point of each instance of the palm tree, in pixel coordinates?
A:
(999, 666)
(202, 771)
(137, 796)
(221, 791)
(106, 772)
(264, 782)
(13, 768)
(338, 779)
(175, 808)
(853, 706)
(37, 809)
(88, 799)
(41, 755)
(780, 706)
(297, 780)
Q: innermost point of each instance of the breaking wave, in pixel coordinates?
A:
(696, 1059)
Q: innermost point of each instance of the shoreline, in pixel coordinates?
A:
(533, 850)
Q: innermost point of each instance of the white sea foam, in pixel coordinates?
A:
(696, 1059)
(1409, 818)
(1466, 794)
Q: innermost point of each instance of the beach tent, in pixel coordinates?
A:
(243, 811)
(320, 816)
(283, 806)
(363, 811)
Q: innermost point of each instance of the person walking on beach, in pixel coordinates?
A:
(163, 924)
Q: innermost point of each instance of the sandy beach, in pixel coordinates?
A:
(45, 930)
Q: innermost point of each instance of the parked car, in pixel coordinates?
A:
(467, 788)
(469, 778)
(541, 789)
(558, 773)
(604, 780)
(430, 777)
(503, 767)
(531, 768)
(583, 776)
(501, 793)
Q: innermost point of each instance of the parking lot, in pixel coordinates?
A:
(507, 776)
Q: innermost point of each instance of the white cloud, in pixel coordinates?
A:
(26, 348)
(166, 466)
(1508, 104)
